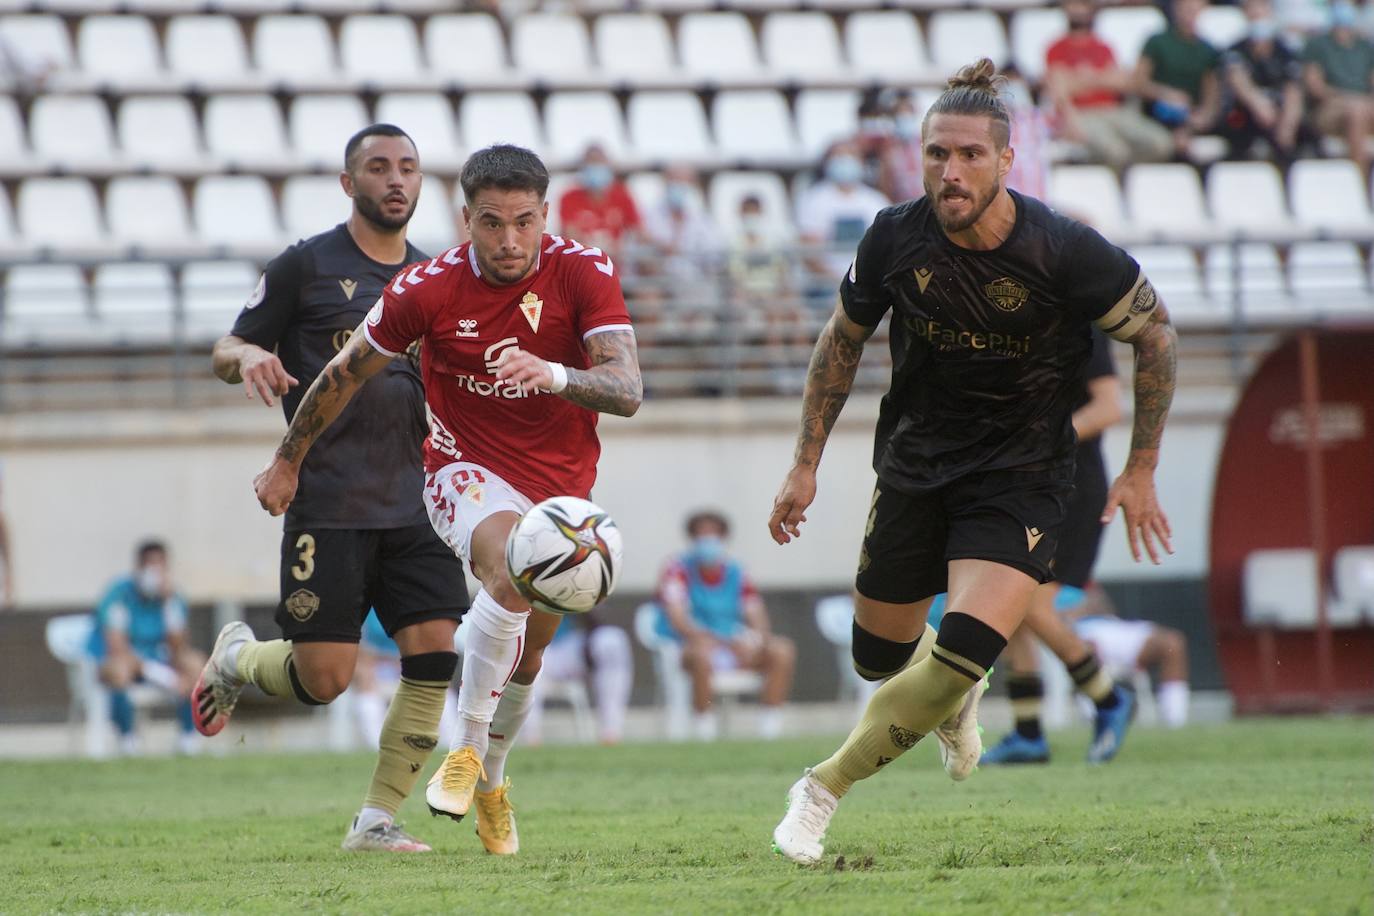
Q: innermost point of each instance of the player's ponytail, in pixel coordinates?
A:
(975, 90)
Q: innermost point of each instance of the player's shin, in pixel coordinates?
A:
(494, 643)
(269, 665)
(914, 702)
(1090, 678)
(1026, 692)
(510, 715)
(410, 731)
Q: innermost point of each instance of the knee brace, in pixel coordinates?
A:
(876, 658)
(430, 666)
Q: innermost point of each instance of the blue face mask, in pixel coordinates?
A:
(1263, 30)
(597, 176)
(708, 549)
(677, 194)
(844, 170)
(906, 126)
(1343, 15)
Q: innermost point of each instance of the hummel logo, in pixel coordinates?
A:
(1033, 536)
(467, 327)
(349, 287)
(923, 275)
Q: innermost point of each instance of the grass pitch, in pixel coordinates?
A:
(1254, 817)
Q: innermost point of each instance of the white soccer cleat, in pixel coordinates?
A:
(453, 785)
(961, 743)
(801, 835)
(382, 837)
(217, 689)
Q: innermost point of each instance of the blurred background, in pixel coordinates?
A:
(155, 153)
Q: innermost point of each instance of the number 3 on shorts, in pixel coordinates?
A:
(305, 563)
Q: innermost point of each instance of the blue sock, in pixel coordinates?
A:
(188, 724)
(122, 712)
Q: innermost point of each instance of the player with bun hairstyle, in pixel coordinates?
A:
(994, 297)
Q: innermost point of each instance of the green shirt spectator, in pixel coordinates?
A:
(1348, 67)
(1181, 61)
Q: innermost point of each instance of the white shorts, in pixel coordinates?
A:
(460, 496)
(1118, 642)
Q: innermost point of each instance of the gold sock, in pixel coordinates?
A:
(1089, 677)
(899, 714)
(409, 733)
(267, 664)
(923, 648)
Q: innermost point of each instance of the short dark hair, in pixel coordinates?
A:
(505, 167)
(148, 547)
(974, 91)
(704, 517)
(371, 130)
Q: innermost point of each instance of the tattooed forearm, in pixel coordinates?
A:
(329, 394)
(1155, 365)
(612, 384)
(828, 382)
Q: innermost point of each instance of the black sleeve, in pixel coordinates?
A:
(269, 310)
(861, 292)
(1094, 274)
(1100, 363)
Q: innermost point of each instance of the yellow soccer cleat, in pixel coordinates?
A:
(452, 786)
(496, 821)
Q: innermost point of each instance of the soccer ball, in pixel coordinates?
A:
(564, 555)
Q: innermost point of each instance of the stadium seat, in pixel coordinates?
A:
(433, 228)
(236, 211)
(310, 204)
(802, 47)
(121, 50)
(213, 294)
(295, 50)
(959, 37)
(1354, 579)
(1174, 271)
(46, 304)
(499, 117)
(1032, 33)
(1280, 590)
(428, 118)
(668, 127)
(1126, 29)
(1166, 200)
(149, 212)
(752, 125)
(134, 302)
(718, 47)
(635, 47)
(42, 39)
(207, 50)
(824, 116)
(1327, 195)
(320, 126)
(362, 38)
(60, 213)
(1092, 194)
(1221, 26)
(10, 242)
(72, 130)
(1252, 271)
(246, 131)
(551, 45)
(468, 48)
(729, 188)
(13, 150)
(160, 131)
(1329, 277)
(835, 621)
(1246, 198)
(572, 120)
(886, 45)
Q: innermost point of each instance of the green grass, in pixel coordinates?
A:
(1256, 817)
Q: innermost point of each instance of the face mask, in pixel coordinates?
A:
(906, 126)
(752, 223)
(1263, 30)
(708, 548)
(677, 195)
(150, 580)
(878, 126)
(844, 170)
(597, 177)
(1343, 15)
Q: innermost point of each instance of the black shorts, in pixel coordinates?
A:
(1080, 537)
(331, 576)
(1010, 517)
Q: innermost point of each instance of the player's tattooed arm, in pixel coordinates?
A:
(1156, 367)
(331, 391)
(612, 384)
(829, 380)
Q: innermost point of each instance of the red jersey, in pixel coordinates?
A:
(542, 444)
(604, 219)
(1087, 51)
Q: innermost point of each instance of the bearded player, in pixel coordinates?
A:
(525, 339)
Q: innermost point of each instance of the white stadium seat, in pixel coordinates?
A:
(1247, 198)
(147, 211)
(245, 129)
(119, 49)
(1328, 277)
(1328, 195)
(634, 46)
(885, 45)
(236, 210)
(46, 303)
(320, 126)
(801, 46)
(42, 39)
(499, 117)
(729, 188)
(753, 125)
(1090, 193)
(718, 46)
(294, 49)
(310, 204)
(207, 49)
(824, 116)
(9, 232)
(12, 146)
(668, 126)
(1221, 26)
(380, 48)
(59, 213)
(1174, 271)
(433, 228)
(1167, 199)
(551, 45)
(468, 47)
(959, 37)
(134, 302)
(1032, 33)
(1354, 579)
(72, 130)
(1280, 590)
(160, 130)
(572, 120)
(213, 294)
(1261, 287)
(1126, 29)
(428, 118)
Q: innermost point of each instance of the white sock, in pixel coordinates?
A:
(231, 657)
(1173, 703)
(612, 678)
(492, 651)
(505, 725)
(533, 729)
(371, 817)
(370, 709)
(705, 726)
(449, 720)
(770, 723)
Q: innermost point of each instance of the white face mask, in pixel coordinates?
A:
(151, 580)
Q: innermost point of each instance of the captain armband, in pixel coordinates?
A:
(1132, 312)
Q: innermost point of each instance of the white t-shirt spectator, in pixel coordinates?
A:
(838, 217)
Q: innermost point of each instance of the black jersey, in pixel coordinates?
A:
(365, 471)
(1100, 363)
(989, 348)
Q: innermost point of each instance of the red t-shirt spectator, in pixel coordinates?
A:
(1085, 50)
(602, 220)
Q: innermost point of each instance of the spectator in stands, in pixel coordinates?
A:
(688, 243)
(899, 177)
(1177, 77)
(874, 134)
(712, 607)
(1263, 91)
(833, 215)
(1088, 89)
(584, 646)
(139, 637)
(599, 210)
(762, 283)
(1339, 74)
(1030, 137)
